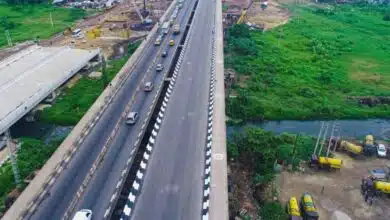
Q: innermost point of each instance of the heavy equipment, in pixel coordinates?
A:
(244, 12)
(372, 188)
(293, 209)
(325, 162)
(351, 148)
(308, 208)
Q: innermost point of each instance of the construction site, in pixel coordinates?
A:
(262, 15)
(121, 24)
(347, 178)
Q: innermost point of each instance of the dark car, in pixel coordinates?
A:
(165, 53)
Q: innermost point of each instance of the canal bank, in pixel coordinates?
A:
(380, 128)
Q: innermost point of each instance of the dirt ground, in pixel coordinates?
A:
(273, 16)
(337, 190)
(123, 13)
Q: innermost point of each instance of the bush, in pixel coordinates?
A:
(273, 211)
(386, 17)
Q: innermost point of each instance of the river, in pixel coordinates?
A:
(348, 128)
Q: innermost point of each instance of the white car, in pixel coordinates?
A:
(83, 214)
(381, 150)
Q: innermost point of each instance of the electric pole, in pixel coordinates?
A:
(11, 151)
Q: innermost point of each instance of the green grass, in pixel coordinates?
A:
(26, 22)
(75, 101)
(32, 156)
(309, 67)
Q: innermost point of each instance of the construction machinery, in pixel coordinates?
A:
(308, 208)
(293, 209)
(324, 162)
(372, 188)
(146, 23)
(244, 12)
(356, 150)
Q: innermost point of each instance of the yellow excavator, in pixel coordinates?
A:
(243, 16)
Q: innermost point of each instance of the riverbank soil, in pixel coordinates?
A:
(337, 190)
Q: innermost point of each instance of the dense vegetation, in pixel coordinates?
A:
(316, 66)
(32, 156)
(26, 21)
(75, 101)
(259, 149)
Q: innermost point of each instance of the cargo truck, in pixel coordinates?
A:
(325, 162)
(293, 209)
(308, 208)
(371, 188)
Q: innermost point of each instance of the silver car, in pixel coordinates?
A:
(148, 86)
(159, 67)
(131, 118)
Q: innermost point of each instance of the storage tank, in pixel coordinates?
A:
(353, 148)
(293, 209)
(332, 162)
(382, 186)
(369, 140)
(308, 207)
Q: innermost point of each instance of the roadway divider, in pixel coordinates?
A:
(39, 188)
(209, 138)
(134, 180)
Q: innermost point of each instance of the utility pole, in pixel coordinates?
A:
(11, 151)
(8, 36)
(104, 75)
(294, 150)
(51, 21)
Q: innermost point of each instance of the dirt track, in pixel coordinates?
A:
(341, 189)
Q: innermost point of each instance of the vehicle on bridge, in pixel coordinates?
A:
(84, 214)
(158, 41)
(176, 29)
(165, 53)
(131, 118)
(165, 27)
(159, 67)
(148, 86)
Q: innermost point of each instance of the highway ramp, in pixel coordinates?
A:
(173, 185)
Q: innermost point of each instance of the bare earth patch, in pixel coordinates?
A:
(273, 16)
(337, 193)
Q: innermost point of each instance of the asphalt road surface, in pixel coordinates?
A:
(100, 189)
(173, 184)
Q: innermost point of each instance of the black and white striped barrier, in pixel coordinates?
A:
(209, 138)
(137, 184)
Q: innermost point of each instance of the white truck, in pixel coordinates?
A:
(165, 27)
(176, 29)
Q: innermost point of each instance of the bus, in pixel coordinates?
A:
(165, 27)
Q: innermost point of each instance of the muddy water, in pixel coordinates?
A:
(39, 130)
(350, 128)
